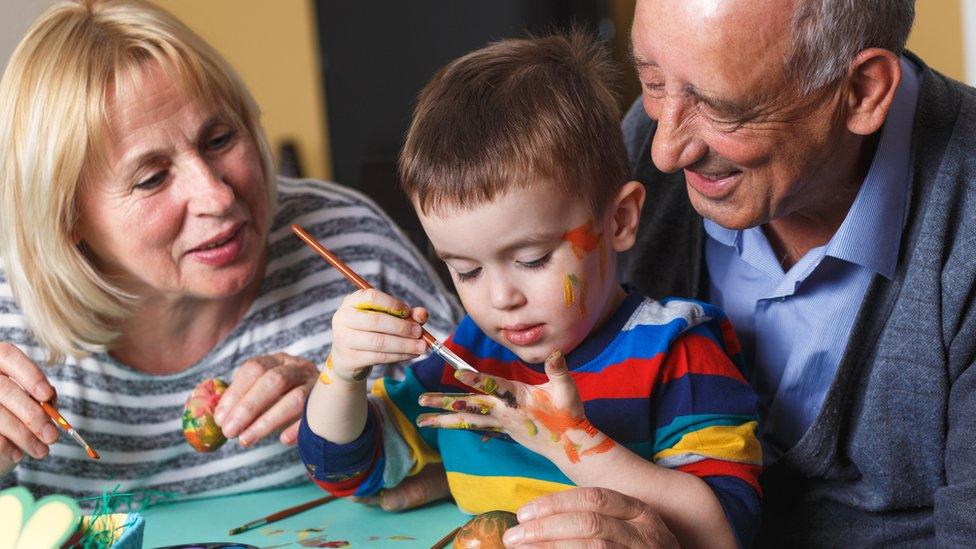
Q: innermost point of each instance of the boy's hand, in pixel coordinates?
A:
(369, 328)
(547, 419)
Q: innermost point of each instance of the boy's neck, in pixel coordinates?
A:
(615, 297)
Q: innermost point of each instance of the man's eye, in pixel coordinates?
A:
(538, 263)
(152, 181)
(468, 275)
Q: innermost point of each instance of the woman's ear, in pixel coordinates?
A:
(625, 212)
(874, 77)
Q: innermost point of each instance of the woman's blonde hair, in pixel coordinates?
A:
(54, 113)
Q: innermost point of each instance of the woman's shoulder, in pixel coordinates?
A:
(313, 199)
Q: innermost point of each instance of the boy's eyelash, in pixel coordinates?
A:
(464, 277)
(538, 263)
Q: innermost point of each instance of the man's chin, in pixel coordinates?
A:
(724, 212)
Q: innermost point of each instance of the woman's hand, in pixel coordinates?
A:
(547, 419)
(266, 394)
(24, 427)
(369, 328)
(588, 517)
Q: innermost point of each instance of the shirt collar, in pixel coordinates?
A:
(870, 235)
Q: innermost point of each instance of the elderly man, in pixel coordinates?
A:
(819, 184)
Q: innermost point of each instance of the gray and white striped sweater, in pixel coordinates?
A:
(134, 419)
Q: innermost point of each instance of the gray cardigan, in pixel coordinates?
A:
(891, 458)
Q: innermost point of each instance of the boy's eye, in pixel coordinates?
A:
(468, 275)
(538, 263)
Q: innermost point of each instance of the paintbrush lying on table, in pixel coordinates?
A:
(448, 355)
(284, 513)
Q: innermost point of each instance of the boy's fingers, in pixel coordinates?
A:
(497, 387)
(467, 422)
(457, 402)
(375, 300)
(383, 343)
(382, 323)
(419, 315)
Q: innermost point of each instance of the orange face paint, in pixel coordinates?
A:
(583, 239)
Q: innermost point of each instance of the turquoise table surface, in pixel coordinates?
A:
(209, 520)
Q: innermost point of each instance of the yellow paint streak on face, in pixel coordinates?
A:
(372, 307)
(579, 286)
(569, 296)
(531, 428)
(324, 378)
(328, 361)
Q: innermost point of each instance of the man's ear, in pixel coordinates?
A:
(874, 77)
(625, 215)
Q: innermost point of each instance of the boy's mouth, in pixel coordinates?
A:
(523, 334)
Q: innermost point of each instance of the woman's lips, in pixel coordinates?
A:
(715, 186)
(223, 254)
(523, 335)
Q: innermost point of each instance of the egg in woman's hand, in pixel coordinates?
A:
(199, 427)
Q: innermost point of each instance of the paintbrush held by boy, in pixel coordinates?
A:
(515, 165)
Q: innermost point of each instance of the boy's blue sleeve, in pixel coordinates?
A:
(351, 469)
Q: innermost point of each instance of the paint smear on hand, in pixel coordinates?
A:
(559, 424)
(487, 385)
(372, 307)
(531, 428)
(574, 289)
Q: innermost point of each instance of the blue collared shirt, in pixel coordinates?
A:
(794, 325)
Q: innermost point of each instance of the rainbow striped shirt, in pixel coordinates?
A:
(664, 378)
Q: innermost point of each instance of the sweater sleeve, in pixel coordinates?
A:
(390, 447)
(706, 421)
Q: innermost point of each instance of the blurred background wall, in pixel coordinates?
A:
(336, 79)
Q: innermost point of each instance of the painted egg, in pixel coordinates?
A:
(485, 531)
(199, 427)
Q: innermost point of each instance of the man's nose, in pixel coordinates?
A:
(676, 143)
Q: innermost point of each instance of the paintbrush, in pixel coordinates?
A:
(63, 423)
(441, 543)
(284, 513)
(448, 355)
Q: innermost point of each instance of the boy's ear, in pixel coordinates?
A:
(625, 215)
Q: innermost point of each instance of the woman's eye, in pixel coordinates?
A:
(538, 263)
(152, 181)
(221, 141)
(468, 275)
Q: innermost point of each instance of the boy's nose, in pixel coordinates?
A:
(504, 294)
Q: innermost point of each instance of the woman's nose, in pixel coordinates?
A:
(207, 191)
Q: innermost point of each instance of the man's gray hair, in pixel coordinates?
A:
(828, 35)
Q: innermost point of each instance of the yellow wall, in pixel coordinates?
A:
(274, 47)
(937, 36)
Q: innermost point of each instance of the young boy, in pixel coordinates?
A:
(515, 165)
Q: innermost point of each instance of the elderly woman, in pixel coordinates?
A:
(146, 248)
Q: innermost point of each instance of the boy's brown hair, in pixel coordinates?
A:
(514, 113)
